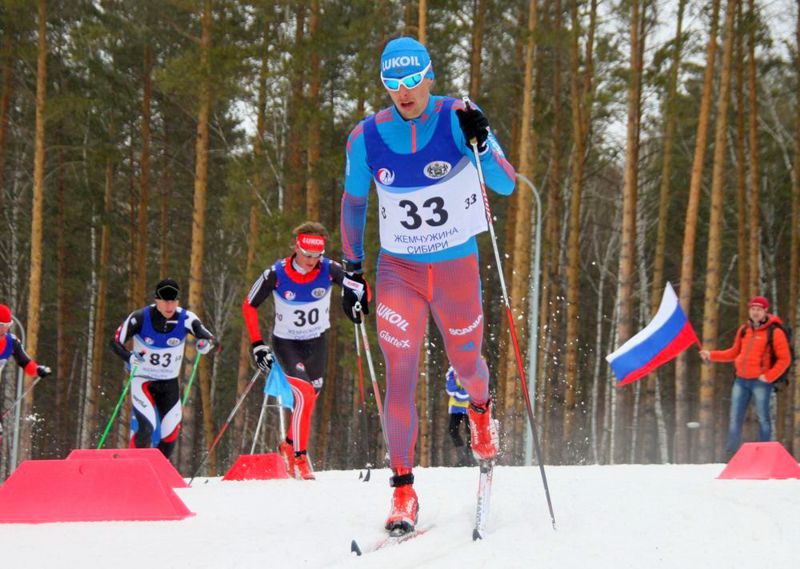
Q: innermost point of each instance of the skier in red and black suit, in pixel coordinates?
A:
(159, 337)
(10, 346)
(301, 289)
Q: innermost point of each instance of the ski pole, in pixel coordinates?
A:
(371, 367)
(363, 411)
(20, 398)
(227, 424)
(116, 409)
(258, 425)
(191, 378)
(474, 143)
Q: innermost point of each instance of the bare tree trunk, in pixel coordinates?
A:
(198, 229)
(649, 430)
(682, 399)
(245, 357)
(313, 105)
(755, 210)
(475, 59)
(294, 150)
(522, 236)
(140, 284)
(99, 338)
(37, 222)
(627, 254)
(62, 347)
(711, 307)
(795, 252)
(551, 268)
(422, 22)
(5, 100)
(742, 216)
(580, 94)
(164, 191)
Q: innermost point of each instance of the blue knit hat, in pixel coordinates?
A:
(404, 56)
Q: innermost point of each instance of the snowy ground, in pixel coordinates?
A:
(607, 517)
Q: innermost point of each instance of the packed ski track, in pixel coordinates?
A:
(606, 517)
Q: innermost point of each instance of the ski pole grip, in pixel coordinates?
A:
(467, 105)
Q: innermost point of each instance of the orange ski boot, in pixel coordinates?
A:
(405, 506)
(302, 467)
(484, 439)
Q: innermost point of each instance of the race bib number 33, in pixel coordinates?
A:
(432, 218)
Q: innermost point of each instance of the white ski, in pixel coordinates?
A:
(484, 499)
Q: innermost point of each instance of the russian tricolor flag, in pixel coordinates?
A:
(667, 335)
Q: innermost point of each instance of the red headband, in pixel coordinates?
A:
(311, 243)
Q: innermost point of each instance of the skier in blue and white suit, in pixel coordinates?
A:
(159, 337)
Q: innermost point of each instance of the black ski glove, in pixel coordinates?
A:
(355, 292)
(474, 125)
(263, 355)
(43, 371)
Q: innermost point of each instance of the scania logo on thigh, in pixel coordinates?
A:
(437, 169)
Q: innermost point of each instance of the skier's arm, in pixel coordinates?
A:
(498, 173)
(195, 327)
(337, 273)
(259, 292)
(23, 359)
(131, 326)
(355, 200)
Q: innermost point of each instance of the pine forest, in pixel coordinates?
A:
(655, 141)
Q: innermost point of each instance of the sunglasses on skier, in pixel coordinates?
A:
(310, 254)
(409, 81)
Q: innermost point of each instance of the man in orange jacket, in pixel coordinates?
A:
(758, 364)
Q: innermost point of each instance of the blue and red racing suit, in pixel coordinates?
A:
(430, 209)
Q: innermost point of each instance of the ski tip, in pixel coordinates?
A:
(366, 476)
(354, 548)
(476, 534)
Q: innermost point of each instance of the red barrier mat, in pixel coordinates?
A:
(257, 467)
(761, 461)
(78, 490)
(163, 467)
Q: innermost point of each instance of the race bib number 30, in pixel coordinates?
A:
(433, 218)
